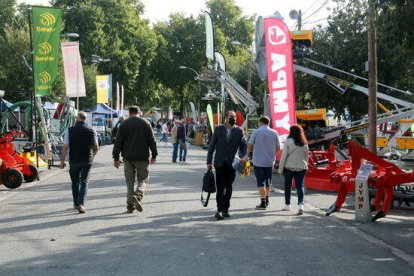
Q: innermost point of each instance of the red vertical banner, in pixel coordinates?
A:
(279, 56)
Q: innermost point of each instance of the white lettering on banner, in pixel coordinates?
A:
(284, 122)
(276, 35)
(280, 81)
(278, 62)
(279, 101)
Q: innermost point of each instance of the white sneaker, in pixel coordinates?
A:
(287, 208)
(300, 209)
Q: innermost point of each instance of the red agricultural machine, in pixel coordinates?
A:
(14, 166)
(340, 176)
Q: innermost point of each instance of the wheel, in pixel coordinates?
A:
(34, 174)
(12, 178)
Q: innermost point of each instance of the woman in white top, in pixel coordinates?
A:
(294, 164)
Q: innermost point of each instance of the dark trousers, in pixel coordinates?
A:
(79, 174)
(175, 151)
(224, 180)
(299, 176)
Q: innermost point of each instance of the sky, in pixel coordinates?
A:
(158, 10)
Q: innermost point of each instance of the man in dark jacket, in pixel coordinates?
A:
(134, 140)
(226, 141)
(82, 143)
(115, 129)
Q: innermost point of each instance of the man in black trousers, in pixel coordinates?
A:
(226, 141)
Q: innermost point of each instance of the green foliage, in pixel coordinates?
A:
(146, 59)
(343, 45)
(181, 43)
(113, 30)
(15, 76)
(397, 20)
(7, 11)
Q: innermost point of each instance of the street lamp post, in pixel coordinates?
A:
(199, 89)
(75, 35)
(250, 67)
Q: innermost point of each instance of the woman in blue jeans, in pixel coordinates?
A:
(294, 164)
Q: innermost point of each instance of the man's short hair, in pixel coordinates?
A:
(82, 116)
(134, 109)
(264, 120)
(228, 112)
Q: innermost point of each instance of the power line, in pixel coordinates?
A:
(316, 21)
(317, 10)
(337, 12)
(310, 7)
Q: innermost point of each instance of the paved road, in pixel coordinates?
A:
(40, 234)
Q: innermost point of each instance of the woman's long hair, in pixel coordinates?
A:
(297, 134)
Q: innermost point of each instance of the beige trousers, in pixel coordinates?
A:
(138, 169)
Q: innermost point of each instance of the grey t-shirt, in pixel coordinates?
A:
(265, 141)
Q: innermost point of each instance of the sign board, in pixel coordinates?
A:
(362, 207)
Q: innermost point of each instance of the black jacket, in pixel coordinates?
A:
(134, 140)
(224, 148)
(81, 143)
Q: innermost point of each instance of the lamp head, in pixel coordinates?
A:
(73, 35)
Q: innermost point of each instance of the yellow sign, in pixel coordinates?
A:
(102, 86)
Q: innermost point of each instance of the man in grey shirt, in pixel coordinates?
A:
(264, 143)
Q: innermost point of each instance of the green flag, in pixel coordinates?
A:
(210, 117)
(46, 27)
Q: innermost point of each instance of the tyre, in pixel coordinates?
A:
(12, 178)
(33, 176)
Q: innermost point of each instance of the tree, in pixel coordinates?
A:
(113, 29)
(396, 20)
(342, 44)
(181, 43)
(15, 76)
(7, 11)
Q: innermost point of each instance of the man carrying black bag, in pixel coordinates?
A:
(226, 141)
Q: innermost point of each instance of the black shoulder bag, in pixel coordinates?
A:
(209, 187)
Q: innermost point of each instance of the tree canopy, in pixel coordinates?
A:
(146, 58)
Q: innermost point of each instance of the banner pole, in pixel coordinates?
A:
(32, 94)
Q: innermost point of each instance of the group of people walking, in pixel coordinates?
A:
(264, 145)
(135, 142)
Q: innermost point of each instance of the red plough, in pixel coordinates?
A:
(341, 177)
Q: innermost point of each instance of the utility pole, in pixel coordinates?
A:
(249, 76)
(372, 79)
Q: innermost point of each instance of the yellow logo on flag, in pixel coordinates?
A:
(45, 77)
(47, 19)
(45, 48)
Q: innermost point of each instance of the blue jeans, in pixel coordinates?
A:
(164, 138)
(263, 176)
(175, 150)
(299, 176)
(79, 174)
(183, 149)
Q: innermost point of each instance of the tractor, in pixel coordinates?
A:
(14, 167)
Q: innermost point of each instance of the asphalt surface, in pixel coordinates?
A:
(41, 234)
